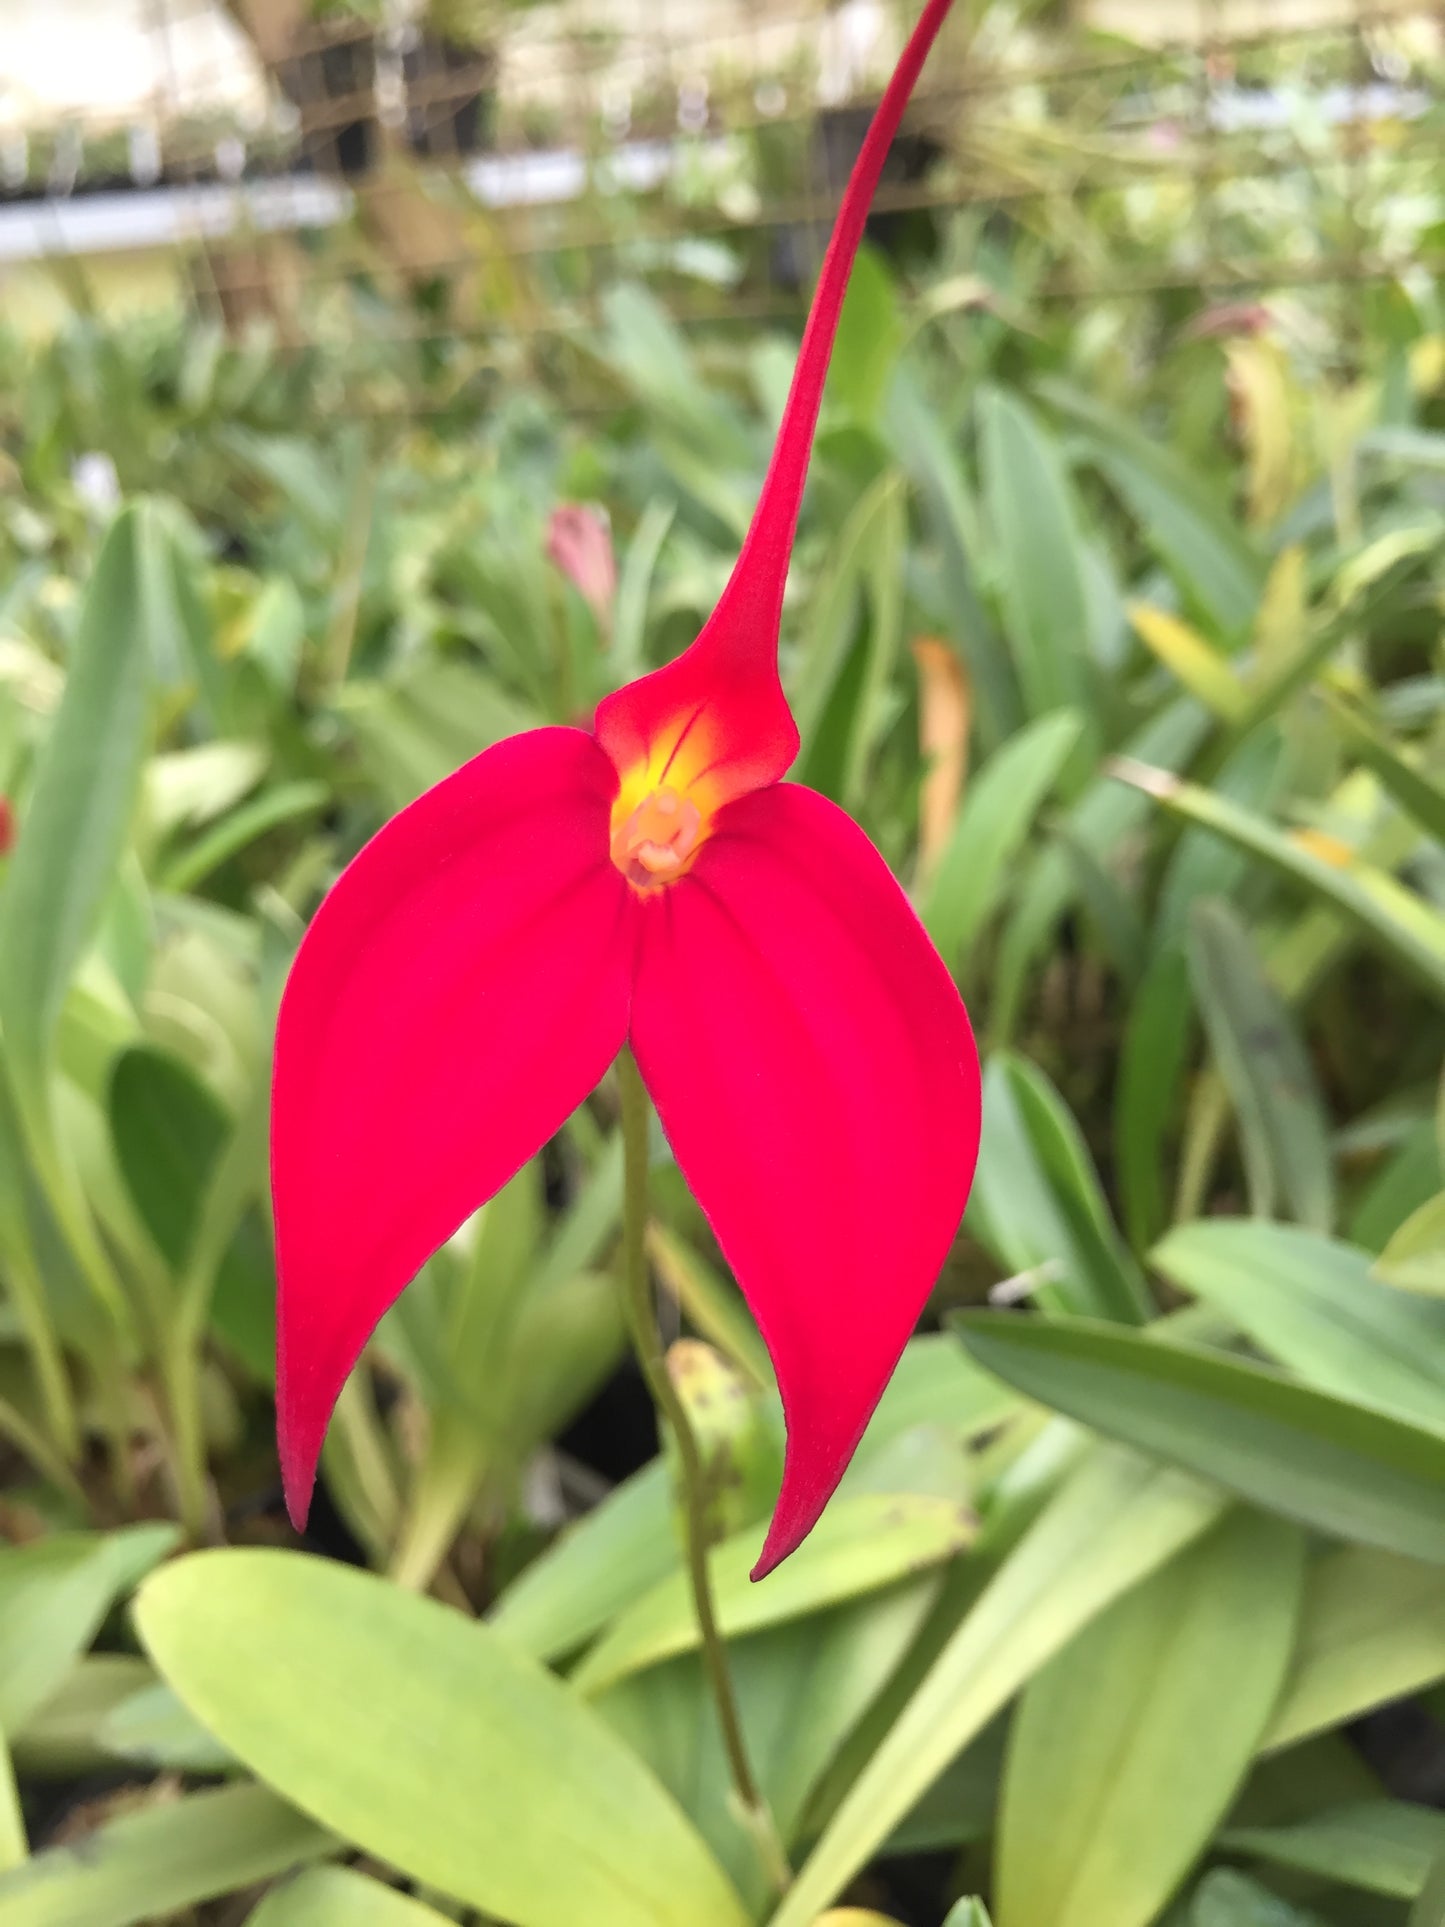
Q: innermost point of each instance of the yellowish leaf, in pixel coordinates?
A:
(1199, 666)
(945, 711)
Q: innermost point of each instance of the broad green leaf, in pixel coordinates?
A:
(391, 1755)
(78, 818)
(1124, 1752)
(1039, 551)
(1414, 1258)
(340, 1897)
(1343, 1468)
(1284, 1132)
(1115, 1521)
(598, 1566)
(1384, 1846)
(1390, 917)
(800, 1690)
(1372, 1630)
(1037, 1202)
(1200, 668)
(54, 1593)
(1228, 1899)
(168, 1857)
(992, 823)
(860, 1544)
(1429, 1908)
(1311, 1303)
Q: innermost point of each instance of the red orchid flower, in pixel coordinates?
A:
(480, 964)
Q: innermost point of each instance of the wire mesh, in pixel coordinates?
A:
(486, 173)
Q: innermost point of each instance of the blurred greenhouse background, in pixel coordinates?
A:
(377, 381)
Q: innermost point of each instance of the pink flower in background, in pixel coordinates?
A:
(652, 883)
(579, 543)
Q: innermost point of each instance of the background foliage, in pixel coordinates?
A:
(1119, 628)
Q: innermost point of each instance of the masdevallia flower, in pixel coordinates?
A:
(651, 882)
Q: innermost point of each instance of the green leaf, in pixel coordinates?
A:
(859, 1545)
(168, 1129)
(1342, 1468)
(1429, 1908)
(78, 818)
(1040, 553)
(1148, 1092)
(185, 788)
(615, 1553)
(866, 549)
(800, 1690)
(340, 1897)
(1418, 794)
(1108, 820)
(1311, 1303)
(54, 1594)
(1037, 1202)
(1397, 923)
(1124, 1752)
(1227, 1899)
(1372, 1630)
(170, 1856)
(1414, 1258)
(466, 1438)
(1117, 1520)
(597, 1567)
(393, 1749)
(870, 334)
(1382, 1846)
(285, 803)
(1266, 1070)
(112, 1709)
(928, 450)
(968, 1913)
(629, 622)
(1191, 531)
(992, 823)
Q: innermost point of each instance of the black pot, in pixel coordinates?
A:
(451, 98)
(332, 85)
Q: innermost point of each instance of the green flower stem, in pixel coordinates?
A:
(642, 1319)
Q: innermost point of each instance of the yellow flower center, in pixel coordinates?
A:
(654, 843)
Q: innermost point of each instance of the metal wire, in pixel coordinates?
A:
(556, 154)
